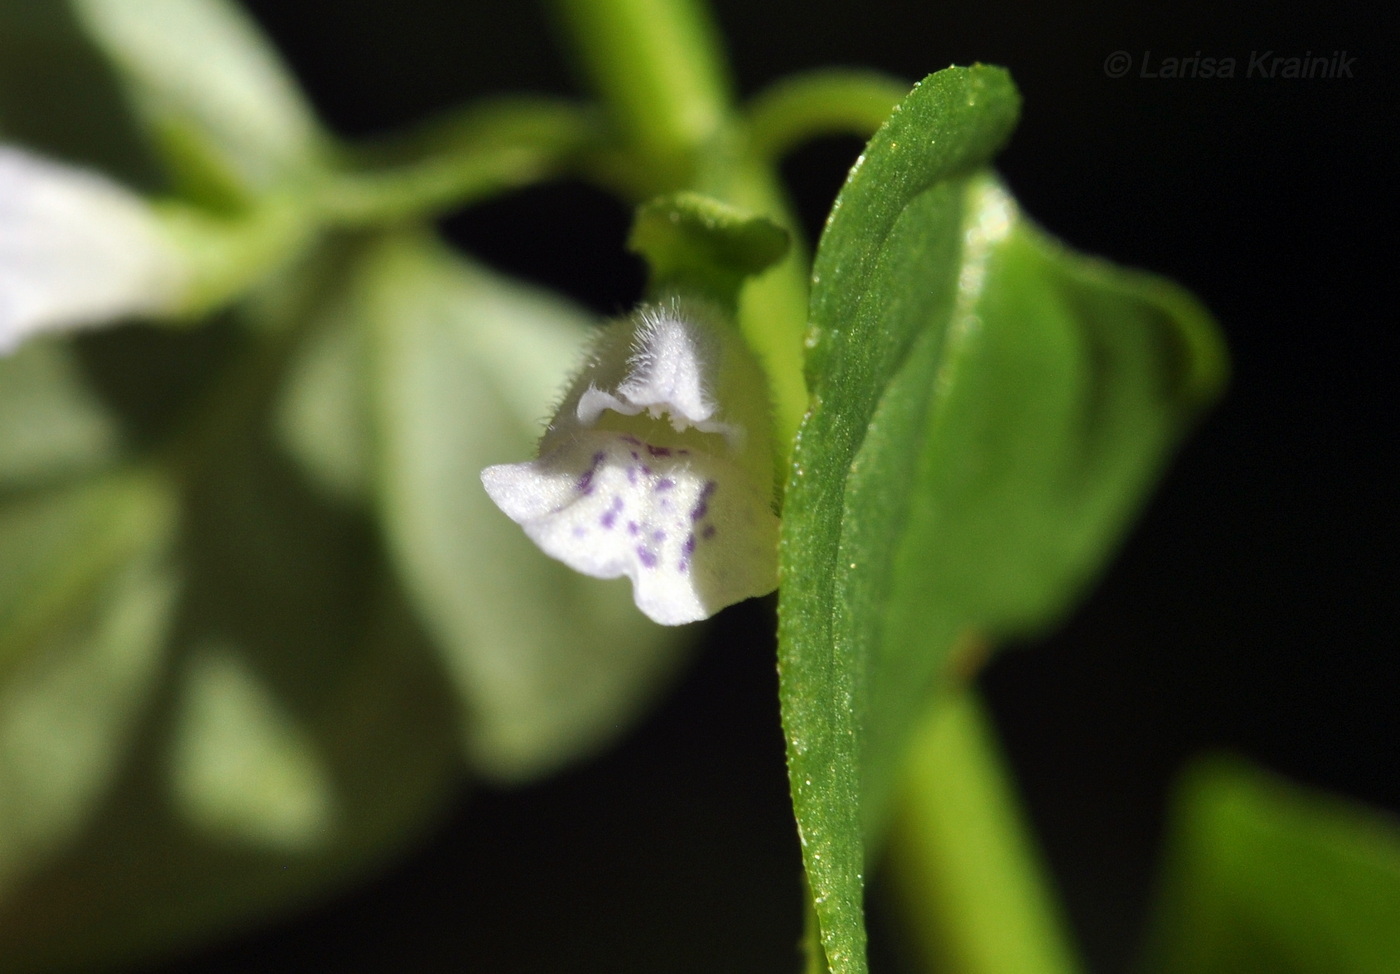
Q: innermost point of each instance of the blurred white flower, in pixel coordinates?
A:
(77, 249)
(658, 466)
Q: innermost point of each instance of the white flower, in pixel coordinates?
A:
(658, 466)
(77, 249)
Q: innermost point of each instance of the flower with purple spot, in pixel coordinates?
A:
(673, 383)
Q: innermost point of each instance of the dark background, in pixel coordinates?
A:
(1252, 609)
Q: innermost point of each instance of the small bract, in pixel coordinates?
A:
(658, 466)
(77, 249)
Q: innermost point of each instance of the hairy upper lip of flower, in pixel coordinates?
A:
(641, 474)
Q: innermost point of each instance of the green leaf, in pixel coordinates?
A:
(85, 603)
(303, 732)
(197, 844)
(52, 426)
(57, 547)
(242, 765)
(228, 114)
(1265, 876)
(550, 664)
(323, 417)
(988, 410)
(59, 96)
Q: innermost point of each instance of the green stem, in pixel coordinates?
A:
(229, 255)
(479, 153)
(656, 65)
(834, 101)
(973, 894)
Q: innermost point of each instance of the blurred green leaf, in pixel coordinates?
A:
(241, 764)
(464, 365)
(57, 546)
(228, 114)
(51, 424)
(85, 603)
(59, 96)
(303, 732)
(1265, 877)
(988, 410)
(323, 413)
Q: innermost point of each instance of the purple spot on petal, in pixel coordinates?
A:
(658, 451)
(585, 481)
(665, 483)
(646, 470)
(647, 558)
(699, 511)
(689, 548)
(609, 517)
(631, 475)
(708, 533)
(635, 454)
(632, 527)
(658, 536)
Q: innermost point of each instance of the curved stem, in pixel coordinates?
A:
(836, 101)
(486, 150)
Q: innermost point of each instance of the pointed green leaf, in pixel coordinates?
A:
(988, 411)
(550, 664)
(1265, 877)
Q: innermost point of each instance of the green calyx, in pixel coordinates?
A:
(694, 243)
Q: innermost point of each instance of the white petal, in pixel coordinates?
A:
(76, 249)
(686, 526)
